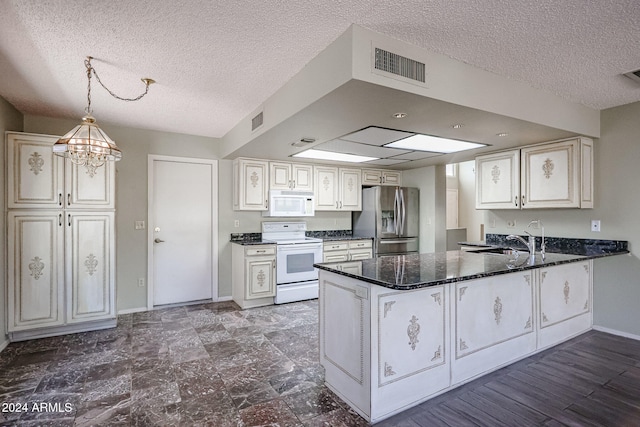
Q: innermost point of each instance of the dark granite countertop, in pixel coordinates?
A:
(405, 272)
(252, 242)
(336, 238)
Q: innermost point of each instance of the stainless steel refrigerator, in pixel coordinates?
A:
(391, 216)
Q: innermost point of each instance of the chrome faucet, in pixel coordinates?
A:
(531, 244)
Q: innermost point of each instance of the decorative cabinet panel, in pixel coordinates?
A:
(411, 333)
(290, 176)
(250, 184)
(37, 178)
(492, 310)
(565, 293)
(550, 175)
(347, 250)
(253, 277)
(90, 271)
(498, 180)
(260, 277)
(35, 269)
(337, 189)
(381, 177)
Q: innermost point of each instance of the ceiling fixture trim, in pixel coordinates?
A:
(333, 156)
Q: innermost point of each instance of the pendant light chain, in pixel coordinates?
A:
(90, 70)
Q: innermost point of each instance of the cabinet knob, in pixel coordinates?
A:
(68, 199)
(522, 203)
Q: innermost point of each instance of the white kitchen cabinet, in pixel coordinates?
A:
(250, 184)
(90, 266)
(39, 179)
(565, 295)
(61, 271)
(35, 286)
(493, 323)
(290, 176)
(381, 177)
(254, 275)
(347, 250)
(337, 189)
(557, 174)
(553, 175)
(61, 241)
(498, 180)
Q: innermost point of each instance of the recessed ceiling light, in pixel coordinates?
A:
(457, 126)
(501, 134)
(434, 144)
(332, 155)
(399, 115)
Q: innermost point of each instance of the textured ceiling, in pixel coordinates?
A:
(217, 61)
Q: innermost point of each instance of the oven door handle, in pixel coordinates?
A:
(298, 247)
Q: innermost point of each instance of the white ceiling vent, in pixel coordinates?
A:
(257, 121)
(399, 65)
(633, 75)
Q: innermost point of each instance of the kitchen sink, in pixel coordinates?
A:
(500, 251)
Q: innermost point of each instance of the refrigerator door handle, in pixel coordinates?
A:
(404, 212)
(396, 212)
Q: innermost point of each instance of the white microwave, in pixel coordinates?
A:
(290, 203)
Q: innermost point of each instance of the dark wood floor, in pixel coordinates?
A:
(592, 380)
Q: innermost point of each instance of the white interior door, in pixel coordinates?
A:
(182, 230)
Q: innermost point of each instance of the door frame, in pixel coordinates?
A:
(151, 158)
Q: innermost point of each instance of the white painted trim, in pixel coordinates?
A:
(4, 344)
(132, 310)
(150, 220)
(221, 299)
(616, 332)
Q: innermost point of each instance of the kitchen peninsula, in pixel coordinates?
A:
(398, 330)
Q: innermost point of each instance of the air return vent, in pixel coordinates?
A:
(633, 75)
(257, 121)
(399, 65)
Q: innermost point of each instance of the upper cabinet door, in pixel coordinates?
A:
(498, 180)
(350, 190)
(35, 175)
(551, 175)
(90, 187)
(325, 183)
(251, 184)
(280, 176)
(302, 177)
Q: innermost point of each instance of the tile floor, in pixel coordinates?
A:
(209, 364)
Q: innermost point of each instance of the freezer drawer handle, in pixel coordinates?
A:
(391, 242)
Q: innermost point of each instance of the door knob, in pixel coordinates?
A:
(158, 240)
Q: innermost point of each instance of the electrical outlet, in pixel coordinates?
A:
(141, 282)
(595, 225)
(511, 223)
(236, 223)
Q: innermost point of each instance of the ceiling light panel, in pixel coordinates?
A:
(341, 146)
(386, 162)
(433, 144)
(376, 136)
(416, 155)
(333, 156)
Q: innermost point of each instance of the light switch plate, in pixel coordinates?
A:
(139, 225)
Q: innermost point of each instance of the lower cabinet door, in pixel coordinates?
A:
(260, 277)
(35, 294)
(90, 266)
(564, 292)
(411, 333)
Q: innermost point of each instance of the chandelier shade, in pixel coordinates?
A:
(87, 143)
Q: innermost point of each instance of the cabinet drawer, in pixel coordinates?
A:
(336, 246)
(260, 250)
(336, 257)
(360, 244)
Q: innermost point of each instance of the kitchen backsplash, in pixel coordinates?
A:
(565, 244)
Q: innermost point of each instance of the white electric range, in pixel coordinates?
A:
(296, 278)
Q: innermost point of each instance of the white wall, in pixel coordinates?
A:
(470, 218)
(10, 120)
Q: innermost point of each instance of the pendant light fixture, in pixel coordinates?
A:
(87, 144)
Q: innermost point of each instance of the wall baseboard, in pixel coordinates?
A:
(4, 344)
(615, 332)
(221, 299)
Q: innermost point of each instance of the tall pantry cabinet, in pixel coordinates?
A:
(60, 241)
